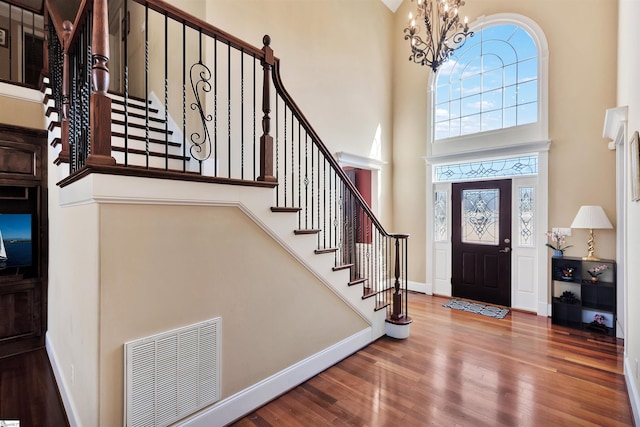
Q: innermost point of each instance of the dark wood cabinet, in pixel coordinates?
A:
(23, 239)
(584, 294)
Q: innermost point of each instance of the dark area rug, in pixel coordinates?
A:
(479, 308)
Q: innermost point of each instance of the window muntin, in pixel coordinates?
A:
(490, 83)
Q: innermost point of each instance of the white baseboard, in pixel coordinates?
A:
(69, 407)
(632, 390)
(257, 395)
(425, 288)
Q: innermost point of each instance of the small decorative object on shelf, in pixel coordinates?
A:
(567, 272)
(569, 297)
(596, 271)
(558, 243)
(599, 323)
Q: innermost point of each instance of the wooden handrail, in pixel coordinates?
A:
(323, 149)
(56, 18)
(200, 25)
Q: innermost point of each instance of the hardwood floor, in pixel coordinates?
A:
(456, 369)
(28, 391)
(465, 369)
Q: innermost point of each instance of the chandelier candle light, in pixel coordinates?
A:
(444, 32)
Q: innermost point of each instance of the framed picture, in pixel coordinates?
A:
(635, 167)
(4, 37)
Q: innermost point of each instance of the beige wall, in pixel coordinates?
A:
(21, 112)
(629, 95)
(581, 168)
(335, 62)
(163, 267)
(73, 301)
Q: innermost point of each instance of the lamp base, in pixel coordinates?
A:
(590, 258)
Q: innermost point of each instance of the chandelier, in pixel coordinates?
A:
(444, 32)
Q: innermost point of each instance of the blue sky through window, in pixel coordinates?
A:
(489, 83)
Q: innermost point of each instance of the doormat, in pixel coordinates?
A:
(474, 307)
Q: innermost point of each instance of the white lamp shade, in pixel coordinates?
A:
(591, 217)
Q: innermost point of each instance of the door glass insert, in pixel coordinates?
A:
(440, 216)
(526, 216)
(480, 216)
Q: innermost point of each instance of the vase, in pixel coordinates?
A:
(594, 279)
(557, 254)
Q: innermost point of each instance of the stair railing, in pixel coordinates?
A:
(212, 99)
(311, 182)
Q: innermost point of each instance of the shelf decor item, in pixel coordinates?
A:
(567, 273)
(596, 271)
(557, 244)
(591, 217)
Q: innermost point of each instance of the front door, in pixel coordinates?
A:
(481, 241)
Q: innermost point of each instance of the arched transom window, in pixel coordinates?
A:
(488, 84)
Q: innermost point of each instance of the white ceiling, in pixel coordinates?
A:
(392, 4)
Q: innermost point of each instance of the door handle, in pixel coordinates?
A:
(505, 250)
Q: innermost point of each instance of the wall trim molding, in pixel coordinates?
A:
(63, 387)
(634, 396)
(355, 160)
(234, 407)
(423, 288)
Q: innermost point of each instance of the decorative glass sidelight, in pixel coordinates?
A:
(480, 216)
(526, 216)
(440, 216)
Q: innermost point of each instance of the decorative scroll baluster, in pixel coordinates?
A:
(266, 140)
(100, 104)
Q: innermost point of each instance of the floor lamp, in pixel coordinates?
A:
(591, 217)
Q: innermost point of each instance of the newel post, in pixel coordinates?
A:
(266, 140)
(64, 156)
(100, 103)
(398, 322)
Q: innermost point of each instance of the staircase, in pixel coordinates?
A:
(282, 223)
(130, 133)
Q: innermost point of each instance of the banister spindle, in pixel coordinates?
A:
(266, 140)
(64, 155)
(100, 104)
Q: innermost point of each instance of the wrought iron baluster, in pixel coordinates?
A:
(126, 81)
(306, 180)
(166, 93)
(255, 141)
(241, 114)
(300, 174)
(146, 85)
(215, 105)
(229, 110)
(184, 97)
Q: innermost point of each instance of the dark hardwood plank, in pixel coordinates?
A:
(465, 369)
(28, 391)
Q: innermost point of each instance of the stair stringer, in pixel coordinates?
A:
(255, 202)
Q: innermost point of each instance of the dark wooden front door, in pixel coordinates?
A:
(481, 241)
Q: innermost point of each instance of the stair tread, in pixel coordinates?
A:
(138, 115)
(307, 231)
(357, 281)
(326, 251)
(151, 153)
(141, 126)
(285, 209)
(342, 267)
(151, 140)
(139, 107)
